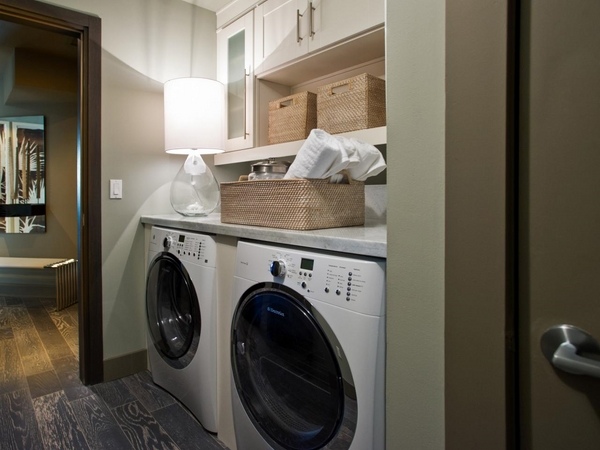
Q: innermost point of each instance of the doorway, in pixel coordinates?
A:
(86, 30)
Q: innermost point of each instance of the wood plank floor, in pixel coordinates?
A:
(43, 405)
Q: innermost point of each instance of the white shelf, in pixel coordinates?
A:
(375, 136)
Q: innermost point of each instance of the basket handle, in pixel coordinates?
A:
(341, 88)
(286, 102)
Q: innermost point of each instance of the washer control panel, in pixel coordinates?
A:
(189, 247)
(353, 283)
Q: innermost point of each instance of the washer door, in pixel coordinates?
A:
(173, 313)
(286, 372)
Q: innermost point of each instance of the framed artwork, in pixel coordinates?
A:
(23, 175)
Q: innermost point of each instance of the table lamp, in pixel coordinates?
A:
(194, 126)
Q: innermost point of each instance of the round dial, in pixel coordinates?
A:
(277, 268)
(168, 242)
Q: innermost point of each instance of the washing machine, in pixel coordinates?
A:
(181, 313)
(307, 349)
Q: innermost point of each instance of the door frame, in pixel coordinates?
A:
(481, 389)
(87, 29)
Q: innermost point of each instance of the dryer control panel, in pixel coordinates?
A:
(352, 283)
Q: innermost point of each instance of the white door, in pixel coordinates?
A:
(333, 20)
(559, 226)
(281, 33)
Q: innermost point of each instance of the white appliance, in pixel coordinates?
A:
(307, 349)
(181, 312)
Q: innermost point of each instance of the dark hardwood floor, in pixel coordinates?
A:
(43, 405)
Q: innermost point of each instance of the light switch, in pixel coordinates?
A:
(116, 189)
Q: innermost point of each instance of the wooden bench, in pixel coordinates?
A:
(65, 275)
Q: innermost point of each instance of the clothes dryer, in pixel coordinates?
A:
(307, 349)
(181, 313)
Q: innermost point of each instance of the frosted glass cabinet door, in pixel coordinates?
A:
(235, 47)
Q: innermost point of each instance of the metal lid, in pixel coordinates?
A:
(270, 166)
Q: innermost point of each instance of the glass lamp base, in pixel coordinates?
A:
(194, 191)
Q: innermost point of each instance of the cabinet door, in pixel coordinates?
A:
(281, 32)
(235, 69)
(333, 20)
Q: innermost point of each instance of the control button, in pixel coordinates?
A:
(327, 290)
(349, 274)
(310, 275)
(338, 292)
(349, 289)
(303, 284)
(348, 298)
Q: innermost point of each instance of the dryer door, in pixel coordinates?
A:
(286, 371)
(172, 308)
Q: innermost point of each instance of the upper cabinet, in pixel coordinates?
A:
(281, 30)
(332, 20)
(289, 29)
(269, 49)
(235, 69)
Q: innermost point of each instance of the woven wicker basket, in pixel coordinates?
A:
(291, 118)
(293, 204)
(352, 104)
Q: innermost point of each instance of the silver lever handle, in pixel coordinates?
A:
(563, 345)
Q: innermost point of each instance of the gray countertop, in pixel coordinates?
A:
(367, 240)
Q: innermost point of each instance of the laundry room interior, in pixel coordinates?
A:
(365, 272)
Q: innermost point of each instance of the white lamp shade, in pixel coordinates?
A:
(194, 115)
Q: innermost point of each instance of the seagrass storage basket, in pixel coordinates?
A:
(295, 204)
(291, 118)
(352, 104)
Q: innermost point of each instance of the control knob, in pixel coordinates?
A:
(168, 242)
(277, 268)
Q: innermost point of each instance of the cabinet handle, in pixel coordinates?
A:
(246, 78)
(311, 8)
(298, 15)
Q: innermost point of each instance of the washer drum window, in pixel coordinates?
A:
(287, 374)
(173, 312)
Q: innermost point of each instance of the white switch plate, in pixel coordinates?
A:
(116, 189)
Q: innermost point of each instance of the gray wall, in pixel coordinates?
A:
(144, 44)
(415, 73)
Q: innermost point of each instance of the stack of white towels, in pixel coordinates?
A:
(324, 156)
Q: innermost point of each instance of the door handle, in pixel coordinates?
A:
(564, 345)
(298, 16)
(311, 8)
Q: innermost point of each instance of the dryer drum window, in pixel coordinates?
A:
(172, 308)
(286, 371)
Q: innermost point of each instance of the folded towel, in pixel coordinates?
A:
(370, 163)
(323, 156)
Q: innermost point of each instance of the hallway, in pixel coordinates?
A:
(44, 405)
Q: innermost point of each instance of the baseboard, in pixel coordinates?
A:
(125, 365)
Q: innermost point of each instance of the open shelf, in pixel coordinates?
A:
(374, 136)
